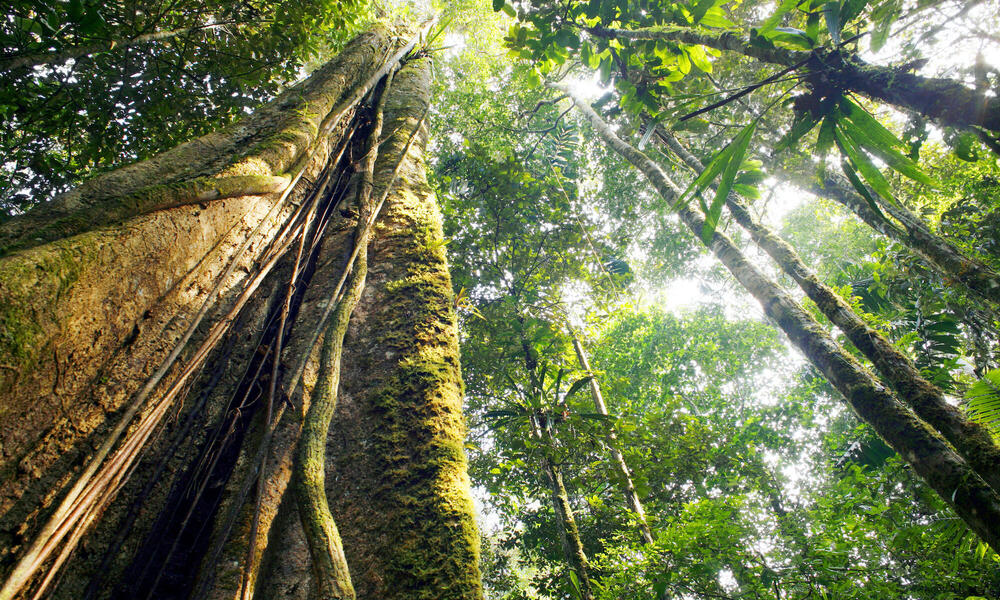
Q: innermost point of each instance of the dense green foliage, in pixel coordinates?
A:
(66, 118)
(756, 481)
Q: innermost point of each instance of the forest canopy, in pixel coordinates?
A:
(726, 272)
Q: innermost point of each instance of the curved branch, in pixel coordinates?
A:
(946, 101)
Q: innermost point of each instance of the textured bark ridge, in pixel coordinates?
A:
(396, 477)
(83, 319)
(207, 510)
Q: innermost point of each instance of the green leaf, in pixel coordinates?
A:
(507, 8)
(868, 133)
(862, 119)
(864, 165)
(713, 168)
(812, 26)
(895, 159)
(716, 17)
(883, 18)
(92, 21)
(567, 38)
(576, 583)
(791, 38)
(76, 10)
(747, 191)
(588, 57)
(967, 147)
(982, 401)
(700, 8)
(850, 9)
(831, 14)
(497, 5)
(732, 168)
(579, 383)
(699, 58)
(852, 176)
(605, 68)
(826, 135)
(784, 8)
(804, 123)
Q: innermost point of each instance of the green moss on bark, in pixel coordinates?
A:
(402, 494)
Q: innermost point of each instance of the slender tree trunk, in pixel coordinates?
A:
(618, 461)
(946, 101)
(109, 327)
(930, 456)
(972, 441)
(939, 254)
(569, 533)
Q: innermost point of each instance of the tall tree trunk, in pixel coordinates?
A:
(936, 252)
(179, 268)
(618, 461)
(331, 573)
(930, 456)
(539, 429)
(569, 533)
(396, 468)
(972, 441)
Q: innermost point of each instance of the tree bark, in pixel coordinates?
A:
(946, 101)
(569, 533)
(972, 441)
(332, 578)
(171, 517)
(930, 456)
(618, 461)
(396, 467)
(936, 252)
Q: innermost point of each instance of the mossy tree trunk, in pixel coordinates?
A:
(906, 228)
(972, 441)
(569, 532)
(192, 256)
(396, 467)
(931, 457)
(617, 460)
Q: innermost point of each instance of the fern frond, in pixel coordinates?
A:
(982, 402)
